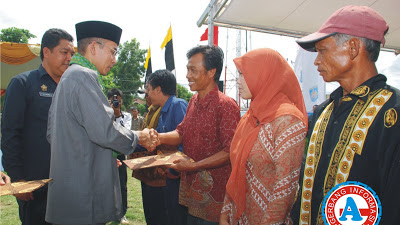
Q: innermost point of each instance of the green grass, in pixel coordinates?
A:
(135, 215)
(9, 210)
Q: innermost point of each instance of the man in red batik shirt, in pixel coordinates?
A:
(206, 133)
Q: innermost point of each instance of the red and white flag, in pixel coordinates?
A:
(204, 37)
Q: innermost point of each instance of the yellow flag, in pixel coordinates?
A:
(167, 38)
(147, 58)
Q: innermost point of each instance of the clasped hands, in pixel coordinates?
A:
(148, 138)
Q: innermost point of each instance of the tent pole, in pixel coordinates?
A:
(211, 26)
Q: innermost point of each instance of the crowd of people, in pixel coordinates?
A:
(57, 123)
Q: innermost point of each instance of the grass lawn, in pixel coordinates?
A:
(135, 214)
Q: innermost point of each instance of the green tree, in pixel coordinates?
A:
(17, 35)
(183, 93)
(126, 73)
(142, 108)
(107, 82)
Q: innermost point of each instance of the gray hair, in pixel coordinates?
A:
(373, 47)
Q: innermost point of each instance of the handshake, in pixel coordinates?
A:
(148, 138)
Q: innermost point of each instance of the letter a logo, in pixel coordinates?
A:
(351, 203)
(352, 210)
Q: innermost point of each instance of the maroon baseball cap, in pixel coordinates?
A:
(359, 21)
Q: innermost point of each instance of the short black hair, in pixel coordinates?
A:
(165, 79)
(113, 92)
(213, 57)
(51, 38)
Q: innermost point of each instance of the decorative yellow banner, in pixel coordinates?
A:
(17, 54)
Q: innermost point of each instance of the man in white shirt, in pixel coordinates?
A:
(124, 119)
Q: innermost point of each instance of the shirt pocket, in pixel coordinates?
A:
(43, 102)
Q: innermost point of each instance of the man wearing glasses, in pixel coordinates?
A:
(82, 131)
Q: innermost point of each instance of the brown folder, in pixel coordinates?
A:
(22, 187)
(155, 160)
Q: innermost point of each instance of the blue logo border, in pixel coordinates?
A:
(353, 183)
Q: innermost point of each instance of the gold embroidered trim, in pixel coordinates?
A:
(356, 143)
(313, 156)
(346, 99)
(390, 118)
(352, 138)
(360, 91)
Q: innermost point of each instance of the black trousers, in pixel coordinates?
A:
(123, 178)
(153, 205)
(161, 204)
(33, 212)
(177, 214)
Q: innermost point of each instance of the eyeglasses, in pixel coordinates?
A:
(114, 51)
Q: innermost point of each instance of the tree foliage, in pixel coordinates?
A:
(107, 82)
(142, 108)
(17, 35)
(126, 73)
(183, 93)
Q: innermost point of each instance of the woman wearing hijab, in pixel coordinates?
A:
(267, 148)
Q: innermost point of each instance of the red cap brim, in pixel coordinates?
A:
(308, 42)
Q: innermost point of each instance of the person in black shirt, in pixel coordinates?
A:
(355, 134)
(26, 152)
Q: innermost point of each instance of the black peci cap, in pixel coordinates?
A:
(100, 29)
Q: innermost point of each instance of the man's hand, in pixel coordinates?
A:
(119, 163)
(156, 137)
(183, 165)
(4, 179)
(148, 138)
(24, 196)
(170, 175)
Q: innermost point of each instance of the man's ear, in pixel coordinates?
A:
(46, 52)
(158, 89)
(211, 73)
(354, 47)
(92, 48)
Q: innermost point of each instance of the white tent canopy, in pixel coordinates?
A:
(295, 18)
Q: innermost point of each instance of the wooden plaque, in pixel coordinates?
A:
(154, 160)
(22, 187)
